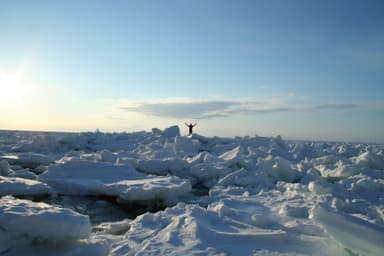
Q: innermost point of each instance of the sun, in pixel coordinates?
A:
(13, 88)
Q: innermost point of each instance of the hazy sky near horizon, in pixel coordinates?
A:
(303, 69)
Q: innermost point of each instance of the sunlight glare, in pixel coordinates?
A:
(13, 88)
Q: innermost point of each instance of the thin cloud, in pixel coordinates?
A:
(202, 109)
(209, 109)
(336, 106)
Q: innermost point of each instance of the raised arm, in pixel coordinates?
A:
(187, 124)
(194, 124)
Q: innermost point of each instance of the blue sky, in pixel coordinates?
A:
(302, 69)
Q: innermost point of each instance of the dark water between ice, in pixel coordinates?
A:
(106, 209)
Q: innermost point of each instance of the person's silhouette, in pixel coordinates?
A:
(190, 126)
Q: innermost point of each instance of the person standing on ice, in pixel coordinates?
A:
(190, 126)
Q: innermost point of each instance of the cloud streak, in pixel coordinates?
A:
(209, 109)
(336, 106)
(202, 109)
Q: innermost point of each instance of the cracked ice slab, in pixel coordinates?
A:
(94, 178)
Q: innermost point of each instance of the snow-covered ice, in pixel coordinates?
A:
(217, 196)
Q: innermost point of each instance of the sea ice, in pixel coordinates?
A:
(220, 196)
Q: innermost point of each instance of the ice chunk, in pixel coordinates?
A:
(156, 131)
(82, 169)
(91, 157)
(22, 187)
(41, 220)
(4, 168)
(184, 147)
(240, 177)
(368, 159)
(108, 156)
(162, 166)
(5, 242)
(171, 132)
(98, 178)
(318, 187)
(113, 228)
(23, 173)
(370, 184)
(208, 174)
(79, 177)
(348, 150)
(233, 156)
(280, 142)
(342, 171)
(40, 169)
(167, 189)
(278, 168)
(294, 211)
(201, 158)
(28, 160)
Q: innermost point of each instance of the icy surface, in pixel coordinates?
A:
(220, 196)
